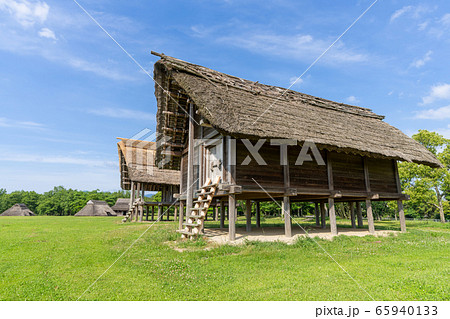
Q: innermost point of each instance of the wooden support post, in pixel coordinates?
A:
(232, 217)
(216, 212)
(146, 213)
(181, 219)
(323, 221)
(401, 215)
(359, 214)
(138, 191)
(153, 213)
(141, 208)
(132, 198)
(248, 215)
(317, 213)
(175, 215)
(286, 205)
(167, 210)
(258, 215)
(370, 216)
(332, 213)
(190, 171)
(222, 214)
(352, 213)
(159, 212)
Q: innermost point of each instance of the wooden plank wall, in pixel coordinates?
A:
(382, 175)
(348, 171)
(309, 174)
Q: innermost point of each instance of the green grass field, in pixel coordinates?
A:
(57, 258)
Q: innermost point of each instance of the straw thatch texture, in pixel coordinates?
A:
(243, 108)
(137, 163)
(122, 205)
(96, 208)
(18, 210)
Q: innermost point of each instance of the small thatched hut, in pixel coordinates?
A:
(122, 206)
(96, 208)
(139, 174)
(18, 210)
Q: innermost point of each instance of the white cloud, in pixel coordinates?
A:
(421, 62)
(9, 123)
(24, 12)
(303, 47)
(56, 159)
(123, 113)
(444, 131)
(438, 92)
(97, 69)
(397, 14)
(445, 20)
(352, 99)
(422, 26)
(47, 33)
(294, 82)
(441, 113)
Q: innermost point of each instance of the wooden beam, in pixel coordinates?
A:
(352, 214)
(248, 215)
(232, 217)
(332, 213)
(132, 197)
(330, 172)
(317, 213)
(181, 219)
(366, 175)
(138, 190)
(286, 206)
(401, 214)
(258, 215)
(370, 221)
(190, 169)
(216, 213)
(359, 214)
(222, 214)
(141, 207)
(322, 215)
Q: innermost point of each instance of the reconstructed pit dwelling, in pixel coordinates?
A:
(212, 125)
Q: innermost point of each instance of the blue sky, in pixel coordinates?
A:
(67, 90)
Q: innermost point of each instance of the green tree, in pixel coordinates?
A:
(428, 187)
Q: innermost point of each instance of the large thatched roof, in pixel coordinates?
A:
(96, 208)
(243, 108)
(137, 163)
(18, 210)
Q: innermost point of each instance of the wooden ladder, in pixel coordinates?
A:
(195, 220)
(130, 211)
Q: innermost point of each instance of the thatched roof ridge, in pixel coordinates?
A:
(137, 162)
(96, 208)
(18, 210)
(232, 105)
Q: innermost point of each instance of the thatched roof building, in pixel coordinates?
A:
(121, 206)
(96, 208)
(137, 164)
(209, 122)
(18, 210)
(243, 108)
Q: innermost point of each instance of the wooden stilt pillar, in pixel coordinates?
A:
(190, 170)
(287, 216)
(352, 214)
(167, 210)
(401, 215)
(232, 217)
(141, 207)
(146, 213)
(248, 215)
(317, 213)
(153, 213)
(175, 215)
(181, 219)
(138, 191)
(359, 214)
(216, 212)
(258, 215)
(222, 214)
(370, 216)
(332, 214)
(323, 221)
(159, 212)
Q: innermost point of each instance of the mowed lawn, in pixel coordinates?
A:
(57, 258)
